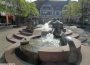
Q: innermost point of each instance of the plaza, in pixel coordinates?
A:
(44, 32)
(5, 44)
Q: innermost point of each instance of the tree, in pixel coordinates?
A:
(27, 9)
(32, 9)
(71, 10)
(20, 7)
(85, 9)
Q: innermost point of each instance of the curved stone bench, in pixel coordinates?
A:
(11, 39)
(75, 35)
(19, 36)
(25, 33)
(12, 58)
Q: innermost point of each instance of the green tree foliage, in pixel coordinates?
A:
(33, 11)
(85, 10)
(84, 1)
(8, 6)
(20, 7)
(84, 4)
(71, 10)
(23, 7)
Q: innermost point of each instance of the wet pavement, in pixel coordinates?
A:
(84, 33)
(4, 44)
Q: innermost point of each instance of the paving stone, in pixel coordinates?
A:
(4, 44)
(85, 51)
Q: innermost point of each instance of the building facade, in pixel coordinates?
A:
(50, 9)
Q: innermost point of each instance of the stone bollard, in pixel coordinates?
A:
(24, 42)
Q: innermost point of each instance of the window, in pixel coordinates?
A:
(46, 7)
(46, 12)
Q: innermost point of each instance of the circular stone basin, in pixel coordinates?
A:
(36, 43)
(47, 49)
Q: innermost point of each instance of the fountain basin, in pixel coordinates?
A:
(50, 54)
(54, 54)
(47, 48)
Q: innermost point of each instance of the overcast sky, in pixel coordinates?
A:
(35, 0)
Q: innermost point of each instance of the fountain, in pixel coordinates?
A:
(48, 44)
(53, 45)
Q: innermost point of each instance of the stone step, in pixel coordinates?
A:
(75, 35)
(11, 39)
(11, 57)
(19, 36)
(25, 33)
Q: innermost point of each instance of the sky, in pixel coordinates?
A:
(74, 0)
(35, 0)
(30, 0)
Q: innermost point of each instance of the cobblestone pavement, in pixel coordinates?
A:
(3, 42)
